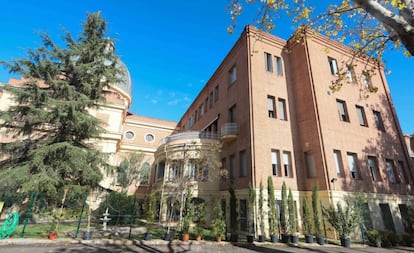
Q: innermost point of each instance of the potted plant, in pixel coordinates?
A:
(187, 217)
(283, 214)
(218, 223)
(316, 219)
(252, 200)
(374, 237)
(199, 218)
(344, 219)
(293, 225)
(273, 216)
(234, 225)
(150, 216)
(52, 231)
(307, 221)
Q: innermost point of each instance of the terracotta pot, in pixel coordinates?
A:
(198, 238)
(52, 235)
(218, 239)
(186, 237)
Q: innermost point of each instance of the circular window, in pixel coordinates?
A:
(149, 138)
(129, 135)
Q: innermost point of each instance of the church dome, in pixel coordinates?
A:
(126, 83)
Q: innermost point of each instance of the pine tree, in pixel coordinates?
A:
(283, 209)
(273, 217)
(49, 122)
(316, 219)
(292, 214)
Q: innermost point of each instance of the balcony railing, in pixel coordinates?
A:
(229, 131)
(189, 135)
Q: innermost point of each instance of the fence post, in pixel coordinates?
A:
(80, 217)
(29, 212)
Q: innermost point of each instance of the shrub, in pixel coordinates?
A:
(407, 239)
(373, 236)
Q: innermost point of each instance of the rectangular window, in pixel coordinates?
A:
(287, 164)
(333, 66)
(279, 66)
(378, 120)
(216, 93)
(338, 162)
(343, 112)
(366, 80)
(361, 116)
(268, 62)
(232, 114)
(225, 169)
(232, 74)
(243, 215)
(389, 164)
(276, 163)
(160, 169)
(211, 100)
(403, 172)
(243, 164)
(310, 164)
(373, 168)
(366, 216)
(350, 74)
(353, 166)
(191, 169)
(282, 109)
(387, 217)
(233, 169)
(271, 106)
(405, 217)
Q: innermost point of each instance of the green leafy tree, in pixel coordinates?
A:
(283, 209)
(316, 218)
(368, 26)
(273, 217)
(218, 222)
(306, 218)
(130, 170)
(49, 121)
(293, 224)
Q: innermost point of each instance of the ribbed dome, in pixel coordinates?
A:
(126, 83)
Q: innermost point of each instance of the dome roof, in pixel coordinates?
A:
(126, 83)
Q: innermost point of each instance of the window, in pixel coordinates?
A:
(149, 138)
(389, 164)
(333, 66)
(279, 67)
(338, 162)
(243, 215)
(243, 163)
(387, 217)
(271, 106)
(287, 164)
(232, 74)
(378, 120)
(160, 169)
(225, 170)
(145, 170)
(310, 164)
(175, 170)
(353, 167)
(343, 112)
(211, 100)
(129, 135)
(216, 93)
(350, 74)
(366, 80)
(232, 114)
(361, 116)
(268, 62)
(282, 109)
(233, 170)
(403, 172)
(191, 169)
(405, 217)
(373, 168)
(276, 163)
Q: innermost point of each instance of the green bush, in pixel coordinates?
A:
(407, 239)
(373, 236)
(389, 238)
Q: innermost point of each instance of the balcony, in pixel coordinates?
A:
(229, 132)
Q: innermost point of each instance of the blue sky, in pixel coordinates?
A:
(170, 47)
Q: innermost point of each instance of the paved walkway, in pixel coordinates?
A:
(159, 246)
